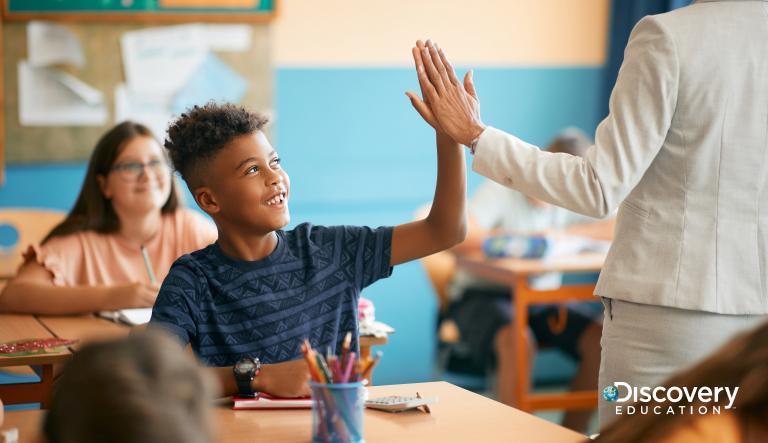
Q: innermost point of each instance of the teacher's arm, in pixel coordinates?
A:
(627, 141)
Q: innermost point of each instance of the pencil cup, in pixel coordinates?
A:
(337, 412)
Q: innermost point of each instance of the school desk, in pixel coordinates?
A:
(514, 273)
(84, 328)
(16, 327)
(459, 416)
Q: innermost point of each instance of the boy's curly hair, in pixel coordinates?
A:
(202, 131)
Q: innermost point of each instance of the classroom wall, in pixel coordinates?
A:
(356, 151)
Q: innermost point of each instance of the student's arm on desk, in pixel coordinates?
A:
(33, 291)
(287, 379)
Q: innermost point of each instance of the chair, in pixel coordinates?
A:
(20, 227)
(440, 268)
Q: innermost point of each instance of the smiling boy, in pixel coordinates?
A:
(260, 290)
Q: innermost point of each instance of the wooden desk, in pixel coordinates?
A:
(16, 327)
(514, 273)
(459, 416)
(84, 328)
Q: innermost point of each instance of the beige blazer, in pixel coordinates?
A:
(683, 154)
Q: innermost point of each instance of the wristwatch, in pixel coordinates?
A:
(245, 370)
(473, 144)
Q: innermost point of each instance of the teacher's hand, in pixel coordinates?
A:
(448, 105)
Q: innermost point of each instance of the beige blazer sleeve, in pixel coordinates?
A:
(641, 108)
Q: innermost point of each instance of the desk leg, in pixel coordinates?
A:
(365, 352)
(46, 385)
(21, 393)
(520, 321)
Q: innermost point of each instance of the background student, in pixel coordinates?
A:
(260, 290)
(482, 310)
(140, 389)
(92, 261)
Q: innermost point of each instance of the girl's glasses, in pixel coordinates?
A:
(133, 170)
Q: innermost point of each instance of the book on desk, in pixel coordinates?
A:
(133, 317)
(266, 401)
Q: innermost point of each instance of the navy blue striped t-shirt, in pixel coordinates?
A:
(308, 287)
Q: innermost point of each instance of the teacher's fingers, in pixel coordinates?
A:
(432, 72)
(435, 57)
(447, 64)
(427, 90)
(469, 86)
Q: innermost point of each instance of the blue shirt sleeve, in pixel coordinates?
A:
(370, 251)
(174, 310)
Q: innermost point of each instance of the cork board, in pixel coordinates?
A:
(103, 70)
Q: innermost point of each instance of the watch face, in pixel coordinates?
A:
(246, 366)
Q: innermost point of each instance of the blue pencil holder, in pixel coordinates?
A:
(338, 412)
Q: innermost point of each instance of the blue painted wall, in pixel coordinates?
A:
(357, 153)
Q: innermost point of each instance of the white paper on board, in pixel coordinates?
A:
(227, 38)
(51, 44)
(51, 98)
(160, 60)
(149, 109)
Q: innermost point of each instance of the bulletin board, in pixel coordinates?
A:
(250, 11)
(103, 70)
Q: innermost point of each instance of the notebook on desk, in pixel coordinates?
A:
(266, 401)
(133, 317)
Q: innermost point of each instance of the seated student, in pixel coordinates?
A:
(488, 344)
(260, 290)
(741, 363)
(138, 389)
(92, 261)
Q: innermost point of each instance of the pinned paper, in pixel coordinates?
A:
(151, 110)
(50, 44)
(213, 80)
(51, 98)
(161, 60)
(227, 38)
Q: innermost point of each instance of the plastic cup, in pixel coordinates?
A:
(338, 412)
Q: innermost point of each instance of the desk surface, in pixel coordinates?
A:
(477, 263)
(84, 328)
(459, 416)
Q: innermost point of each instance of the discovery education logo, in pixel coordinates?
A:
(622, 392)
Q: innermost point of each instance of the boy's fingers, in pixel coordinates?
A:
(421, 108)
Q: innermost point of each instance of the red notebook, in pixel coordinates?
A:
(266, 401)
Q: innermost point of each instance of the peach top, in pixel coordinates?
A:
(91, 258)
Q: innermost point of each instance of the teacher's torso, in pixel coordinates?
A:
(693, 233)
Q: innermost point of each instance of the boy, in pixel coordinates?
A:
(246, 302)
